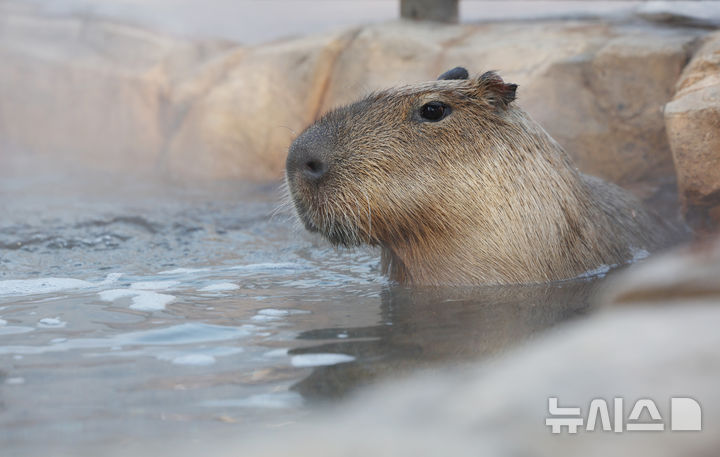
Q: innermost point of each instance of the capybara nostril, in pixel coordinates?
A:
(314, 169)
(306, 160)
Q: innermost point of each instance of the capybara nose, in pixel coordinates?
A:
(307, 161)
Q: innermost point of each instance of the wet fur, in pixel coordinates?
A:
(484, 196)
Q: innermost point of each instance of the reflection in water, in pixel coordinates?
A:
(423, 327)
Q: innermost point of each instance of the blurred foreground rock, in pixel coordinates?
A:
(693, 124)
(661, 343)
(119, 97)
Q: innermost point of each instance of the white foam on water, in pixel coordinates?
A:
(320, 359)
(151, 301)
(3, 322)
(20, 287)
(51, 322)
(219, 287)
(278, 400)
(197, 357)
(179, 271)
(14, 330)
(260, 267)
(599, 272)
(638, 254)
(154, 285)
(280, 352)
(281, 312)
(142, 300)
(271, 314)
(194, 359)
(190, 333)
(15, 381)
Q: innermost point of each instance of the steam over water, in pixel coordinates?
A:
(131, 310)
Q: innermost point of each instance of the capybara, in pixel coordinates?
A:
(458, 185)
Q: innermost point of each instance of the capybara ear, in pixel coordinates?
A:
(455, 73)
(494, 89)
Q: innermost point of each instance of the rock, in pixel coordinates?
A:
(90, 92)
(613, 126)
(693, 125)
(242, 127)
(684, 274)
(116, 97)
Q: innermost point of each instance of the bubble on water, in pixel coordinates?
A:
(319, 359)
(219, 287)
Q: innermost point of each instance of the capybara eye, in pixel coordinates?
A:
(434, 111)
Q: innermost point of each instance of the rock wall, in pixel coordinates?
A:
(693, 124)
(113, 96)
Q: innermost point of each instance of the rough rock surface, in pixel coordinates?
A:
(118, 97)
(693, 124)
(597, 88)
(93, 92)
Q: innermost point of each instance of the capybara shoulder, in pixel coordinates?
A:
(457, 185)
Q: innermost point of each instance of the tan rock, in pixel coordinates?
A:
(243, 126)
(598, 89)
(693, 124)
(587, 83)
(89, 92)
(117, 97)
(689, 273)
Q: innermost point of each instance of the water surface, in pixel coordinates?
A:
(132, 312)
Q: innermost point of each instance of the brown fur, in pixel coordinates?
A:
(484, 196)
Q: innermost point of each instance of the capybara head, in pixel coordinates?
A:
(384, 168)
(456, 185)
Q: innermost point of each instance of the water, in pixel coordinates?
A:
(133, 312)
